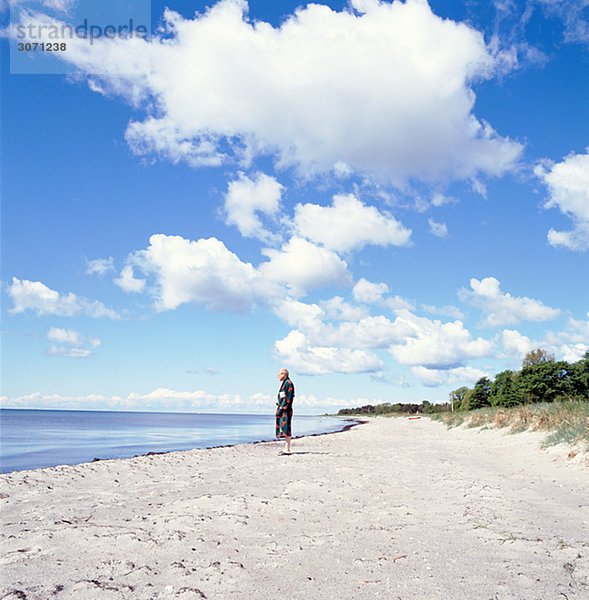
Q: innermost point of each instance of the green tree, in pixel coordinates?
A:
(546, 382)
(504, 391)
(457, 397)
(480, 394)
(381, 409)
(426, 407)
(580, 377)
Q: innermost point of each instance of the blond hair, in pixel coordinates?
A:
(285, 371)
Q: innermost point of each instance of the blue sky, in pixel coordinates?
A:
(389, 199)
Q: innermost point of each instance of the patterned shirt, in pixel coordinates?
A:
(286, 395)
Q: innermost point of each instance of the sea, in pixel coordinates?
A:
(34, 439)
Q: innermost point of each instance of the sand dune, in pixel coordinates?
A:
(389, 509)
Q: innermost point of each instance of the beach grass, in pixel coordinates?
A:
(563, 421)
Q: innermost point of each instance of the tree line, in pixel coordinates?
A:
(387, 408)
(541, 379)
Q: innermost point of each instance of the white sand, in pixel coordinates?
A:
(390, 509)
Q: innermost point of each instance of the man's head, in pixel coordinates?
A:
(282, 374)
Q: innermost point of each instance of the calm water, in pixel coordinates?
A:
(32, 439)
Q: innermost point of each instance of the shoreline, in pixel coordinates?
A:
(397, 508)
(95, 459)
(276, 440)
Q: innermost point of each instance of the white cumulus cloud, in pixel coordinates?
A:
(298, 314)
(383, 90)
(568, 187)
(362, 331)
(573, 352)
(337, 308)
(572, 343)
(205, 272)
(369, 292)
(246, 198)
(36, 297)
(348, 224)
(503, 308)
(516, 344)
(301, 266)
(436, 352)
(369, 332)
(295, 350)
(202, 272)
(436, 345)
(128, 282)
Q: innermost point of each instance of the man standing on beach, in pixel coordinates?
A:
(284, 409)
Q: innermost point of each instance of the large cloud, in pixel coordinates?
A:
(296, 350)
(368, 332)
(436, 345)
(516, 344)
(36, 297)
(435, 351)
(383, 89)
(348, 224)
(503, 308)
(205, 272)
(201, 272)
(360, 330)
(302, 265)
(568, 186)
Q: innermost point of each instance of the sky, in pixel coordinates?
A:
(389, 199)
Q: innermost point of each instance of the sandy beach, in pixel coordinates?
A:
(393, 508)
